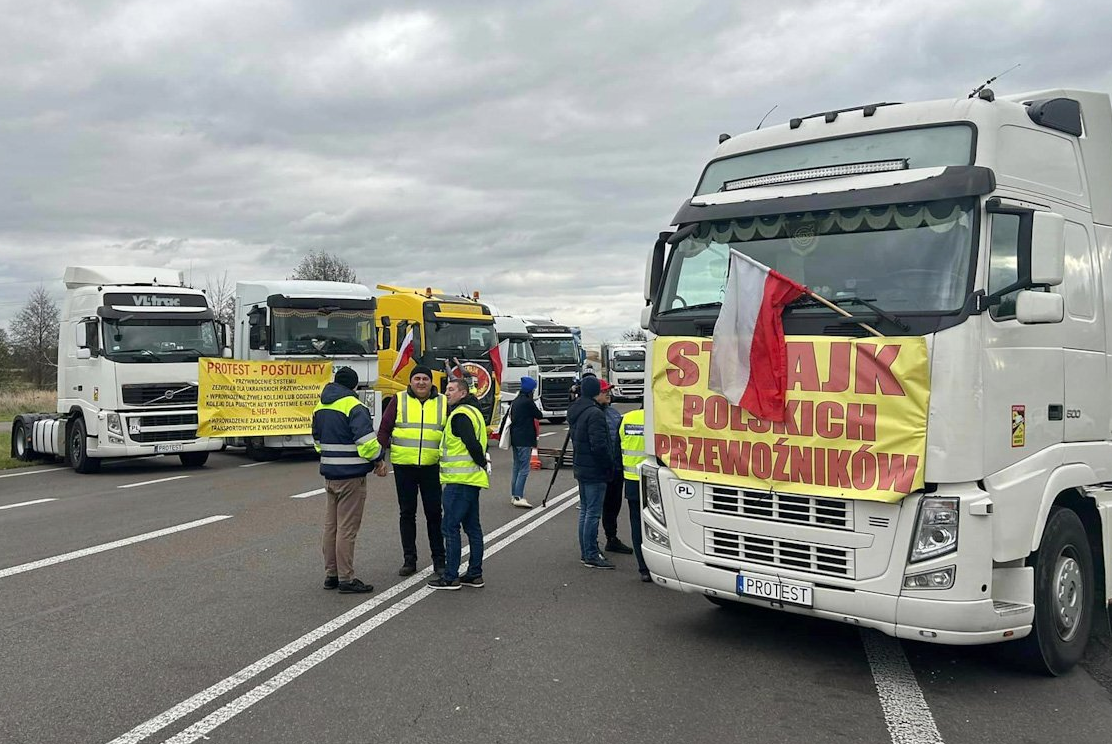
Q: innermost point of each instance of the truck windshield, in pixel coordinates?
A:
(465, 339)
(628, 361)
(908, 258)
(555, 350)
(138, 340)
(322, 331)
(521, 353)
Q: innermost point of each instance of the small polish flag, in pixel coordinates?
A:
(405, 353)
(498, 356)
(749, 361)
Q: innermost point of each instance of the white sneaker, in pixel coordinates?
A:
(521, 503)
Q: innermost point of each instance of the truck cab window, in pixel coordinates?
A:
(1003, 262)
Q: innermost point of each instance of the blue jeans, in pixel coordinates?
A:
(633, 496)
(461, 507)
(522, 455)
(591, 495)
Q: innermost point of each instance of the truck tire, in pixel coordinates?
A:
(20, 449)
(194, 459)
(1064, 596)
(257, 452)
(77, 451)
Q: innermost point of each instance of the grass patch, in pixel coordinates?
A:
(19, 400)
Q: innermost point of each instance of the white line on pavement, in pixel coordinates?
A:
(32, 472)
(905, 709)
(151, 482)
(186, 707)
(26, 503)
(255, 464)
(546, 434)
(307, 494)
(4, 573)
(243, 702)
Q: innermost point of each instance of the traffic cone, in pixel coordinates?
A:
(534, 460)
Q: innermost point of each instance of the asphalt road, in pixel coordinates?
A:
(114, 628)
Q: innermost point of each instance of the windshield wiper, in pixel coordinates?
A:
(187, 350)
(146, 354)
(700, 306)
(805, 301)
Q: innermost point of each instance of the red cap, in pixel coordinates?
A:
(603, 385)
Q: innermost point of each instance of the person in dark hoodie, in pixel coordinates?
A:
(411, 427)
(524, 416)
(464, 469)
(345, 439)
(593, 462)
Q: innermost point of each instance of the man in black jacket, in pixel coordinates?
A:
(524, 416)
(593, 462)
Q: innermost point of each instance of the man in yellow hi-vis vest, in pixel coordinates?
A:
(464, 469)
(632, 436)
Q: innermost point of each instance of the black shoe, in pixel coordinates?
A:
(475, 581)
(614, 545)
(438, 583)
(407, 569)
(331, 582)
(646, 577)
(355, 586)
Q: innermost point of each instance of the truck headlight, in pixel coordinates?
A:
(936, 530)
(650, 487)
(114, 425)
(942, 578)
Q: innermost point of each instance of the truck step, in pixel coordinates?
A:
(1004, 608)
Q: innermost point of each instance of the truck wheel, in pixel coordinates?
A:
(78, 452)
(194, 459)
(1064, 596)
(20, 449)
(257, 452)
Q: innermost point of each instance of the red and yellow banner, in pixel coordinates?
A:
(239, 398)
(856, 423)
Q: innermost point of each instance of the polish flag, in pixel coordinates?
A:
(498, 356)
(405, 353)
(749, 361)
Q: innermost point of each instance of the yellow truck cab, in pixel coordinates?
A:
(446, 330)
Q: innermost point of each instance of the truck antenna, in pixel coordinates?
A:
(766, 115)
(991, 80)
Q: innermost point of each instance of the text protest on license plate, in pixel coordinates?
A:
(776, 590)
(175, 447)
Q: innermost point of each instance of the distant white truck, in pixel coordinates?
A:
(520, 362)
(623, 366)
(294, 319)
(560, 359)
(128, 345)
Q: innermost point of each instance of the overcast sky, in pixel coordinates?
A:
(528, 150)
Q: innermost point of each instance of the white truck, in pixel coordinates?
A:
(520, 362)
(559, 358)
(298, 319)
(984, 226)
(623, 366)
(128, 345)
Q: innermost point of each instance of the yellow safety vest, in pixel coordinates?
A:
(633, 443)
(456, 465)
(417, 430)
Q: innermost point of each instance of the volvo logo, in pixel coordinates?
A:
(168, 395)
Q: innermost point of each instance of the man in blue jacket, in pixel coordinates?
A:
(593, 461)
(348, 448)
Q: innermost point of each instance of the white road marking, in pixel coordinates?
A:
(26, 503)
(186, 707)
(221, 716)
(307, 494)
(255, 464)
(546, 434)
(4, 573)
(905, 709)
(31, 472)
(151, 482)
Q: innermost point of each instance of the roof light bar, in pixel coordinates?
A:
(814, 174)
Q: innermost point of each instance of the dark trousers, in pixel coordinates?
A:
(612, 506)
(461, 509)
(633, 496)
(411, 479)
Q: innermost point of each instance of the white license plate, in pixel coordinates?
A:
(775, 590)
(162, 448)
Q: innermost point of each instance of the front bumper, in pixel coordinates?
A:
(103, 448)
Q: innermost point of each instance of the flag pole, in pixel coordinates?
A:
(822, 300)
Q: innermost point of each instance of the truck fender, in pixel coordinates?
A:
(92, 424)
(1064, 478)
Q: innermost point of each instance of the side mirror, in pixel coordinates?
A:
(646, 316)
(1048, 249)
(654, 270)
(1039, 307)
(87, 339)
(80, 336)
(226, 353)
(256, 316)
(84, 354)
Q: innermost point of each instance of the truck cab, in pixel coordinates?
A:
(623, 366)
(520, 361)
(560, 358)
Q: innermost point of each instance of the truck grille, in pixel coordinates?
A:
(142, 394)
(555, 393)
(793, 555)
(170, 419)
(150, 437)
(779, 507)
(511, 387)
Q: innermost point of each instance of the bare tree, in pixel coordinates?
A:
(34, 338)
(635, 334)
(324, 267)
(7, 360)
(221, 293)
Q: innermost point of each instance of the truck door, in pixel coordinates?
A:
(1023, 365)
(1086, 400)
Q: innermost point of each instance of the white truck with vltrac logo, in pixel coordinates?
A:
(128, 345)
(975, 236)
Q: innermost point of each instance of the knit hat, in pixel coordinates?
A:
(347, 377)
(590, 387)
(420, 369)
(528, 384)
